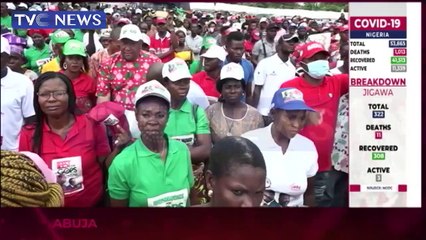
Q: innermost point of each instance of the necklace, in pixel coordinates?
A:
(229, 127)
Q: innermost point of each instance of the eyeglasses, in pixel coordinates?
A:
(56, 94)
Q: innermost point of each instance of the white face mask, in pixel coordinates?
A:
(318, 69)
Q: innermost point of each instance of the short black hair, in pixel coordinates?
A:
(180, 31)
(231, 152)
(234, 36)
(219, 84)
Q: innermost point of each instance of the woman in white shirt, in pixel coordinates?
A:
(291, 159)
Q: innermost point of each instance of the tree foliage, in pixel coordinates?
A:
(315, 6)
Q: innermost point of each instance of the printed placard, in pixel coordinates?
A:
(69, 174)
(171, 199)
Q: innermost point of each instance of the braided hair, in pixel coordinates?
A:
(24, 185)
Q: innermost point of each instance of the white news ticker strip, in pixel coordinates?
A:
(379, 188)
(414, 104)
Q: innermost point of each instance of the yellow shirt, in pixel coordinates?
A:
(51, 66)
(184, 55)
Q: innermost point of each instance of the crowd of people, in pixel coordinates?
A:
(199, 109)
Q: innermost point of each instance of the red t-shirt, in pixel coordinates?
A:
(206, 83)
(122, 79)
(248, 46)
(85, 91)
(86, 140)
(325, 100)
(162, 45)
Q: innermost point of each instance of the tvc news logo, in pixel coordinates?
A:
(59, 19)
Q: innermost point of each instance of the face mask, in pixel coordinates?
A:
(211, 29)
(318, 69)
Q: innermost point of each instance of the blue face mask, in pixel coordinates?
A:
(318, 69)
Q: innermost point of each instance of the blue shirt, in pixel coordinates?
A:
(248, 70)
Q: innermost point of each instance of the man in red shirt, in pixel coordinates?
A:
(213, 62)
(121, 75)
(322, 93)
(164, 42)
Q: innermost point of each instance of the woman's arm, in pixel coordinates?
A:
(201, 151)
(119, 203)
(118, 188)
(123, 140)
(309, 196)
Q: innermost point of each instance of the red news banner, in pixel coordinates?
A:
(378, 27)
(379, 23)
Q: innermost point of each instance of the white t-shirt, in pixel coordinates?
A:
(197, 96)
(17, 93)
(98, 44)
(287, 174)
(270, 73)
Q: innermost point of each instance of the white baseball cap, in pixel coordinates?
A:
(264, 19)
(83, 9)
(146, 39)
(132, 32)
(108, 10)
(23, 5)
(138, 11)
(36, 8)
(152, 88)
(5, 47)
(232, 71)
(11, 6)
(105, 33)
(176, 70)
(216, 51)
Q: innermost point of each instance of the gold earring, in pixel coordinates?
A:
(210, 193)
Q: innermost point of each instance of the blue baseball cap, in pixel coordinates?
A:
(289, 99)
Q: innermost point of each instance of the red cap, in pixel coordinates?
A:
(255, 35)
(102, 111)
(310, 49)
(125, 21)
(161, 21)
(53, 8)
(279, 20)
(42, 32)
(229, 30)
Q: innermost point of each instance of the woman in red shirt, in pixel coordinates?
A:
(73, 146)
(75, 65)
